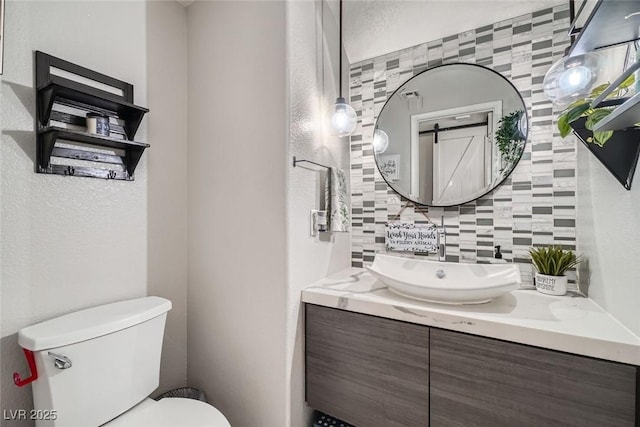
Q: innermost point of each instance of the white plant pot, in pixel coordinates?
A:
(552, 285)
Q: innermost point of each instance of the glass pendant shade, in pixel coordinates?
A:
(571, 78)
(344, 118)
(523, 127)
(380, 141)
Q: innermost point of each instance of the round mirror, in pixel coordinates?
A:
(450, 134)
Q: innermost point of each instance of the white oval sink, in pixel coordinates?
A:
(445, 282)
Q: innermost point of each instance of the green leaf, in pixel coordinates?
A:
(598, 90)
(574, 113)
(596, 116)
(576, 103)
(627, 82)
(563, 125)
(553, 267)
(601, 137)
(570, 115)
(622, 88)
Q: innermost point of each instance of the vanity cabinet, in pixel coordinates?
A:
(477, 381)
(375, 372)
(368, 371)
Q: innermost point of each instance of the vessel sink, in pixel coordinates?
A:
(445, 282)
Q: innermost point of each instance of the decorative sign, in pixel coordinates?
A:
(408, 237)
(390, 166)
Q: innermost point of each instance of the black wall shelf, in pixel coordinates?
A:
(55, 89)
(607, 26)
(612, 23)
(49, 135)
(68, 92)
(619, 154)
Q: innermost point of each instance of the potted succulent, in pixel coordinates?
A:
(552, 263)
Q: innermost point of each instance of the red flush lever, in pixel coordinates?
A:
(32, 369)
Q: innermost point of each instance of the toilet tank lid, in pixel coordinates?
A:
(91, 323)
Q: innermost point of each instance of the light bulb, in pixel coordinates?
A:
(571, 78)
(380, 141)
(575, 79)
(344, 118)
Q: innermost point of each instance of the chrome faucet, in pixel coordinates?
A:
(442, 241)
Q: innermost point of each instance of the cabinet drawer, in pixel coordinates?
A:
(368, 371)
(478, 381)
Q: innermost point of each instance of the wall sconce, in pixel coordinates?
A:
(344, 118)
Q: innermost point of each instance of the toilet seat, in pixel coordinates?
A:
(170, 412)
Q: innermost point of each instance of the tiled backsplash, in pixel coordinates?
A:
(535, 206)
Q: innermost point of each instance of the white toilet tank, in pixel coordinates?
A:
(114, 351)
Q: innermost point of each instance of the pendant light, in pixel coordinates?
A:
(572, 77)
(380, 141)
(343, 118)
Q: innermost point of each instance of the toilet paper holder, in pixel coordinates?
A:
(31, 361)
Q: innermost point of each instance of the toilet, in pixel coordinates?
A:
(97, 367)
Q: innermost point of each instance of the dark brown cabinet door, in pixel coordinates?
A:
(368, 371)
(479, 381)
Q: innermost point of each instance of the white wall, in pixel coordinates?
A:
(167, 177)
(608, 227)
(251, 208)
(67, 243)
(71, 243)
(237, 221)
(376, 27)
(608, 230)
(313, 66)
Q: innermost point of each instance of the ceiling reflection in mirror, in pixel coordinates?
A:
(450, 134)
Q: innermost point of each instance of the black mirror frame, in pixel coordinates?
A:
(506, 176)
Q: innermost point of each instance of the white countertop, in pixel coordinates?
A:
(571, 324)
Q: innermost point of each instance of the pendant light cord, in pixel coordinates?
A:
(340, 51)
(572, 18)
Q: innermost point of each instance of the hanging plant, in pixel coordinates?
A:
(582, 108)
(510, 138)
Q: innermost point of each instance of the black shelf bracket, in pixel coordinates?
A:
(46, 142)
(132, 158)
(46, 98)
